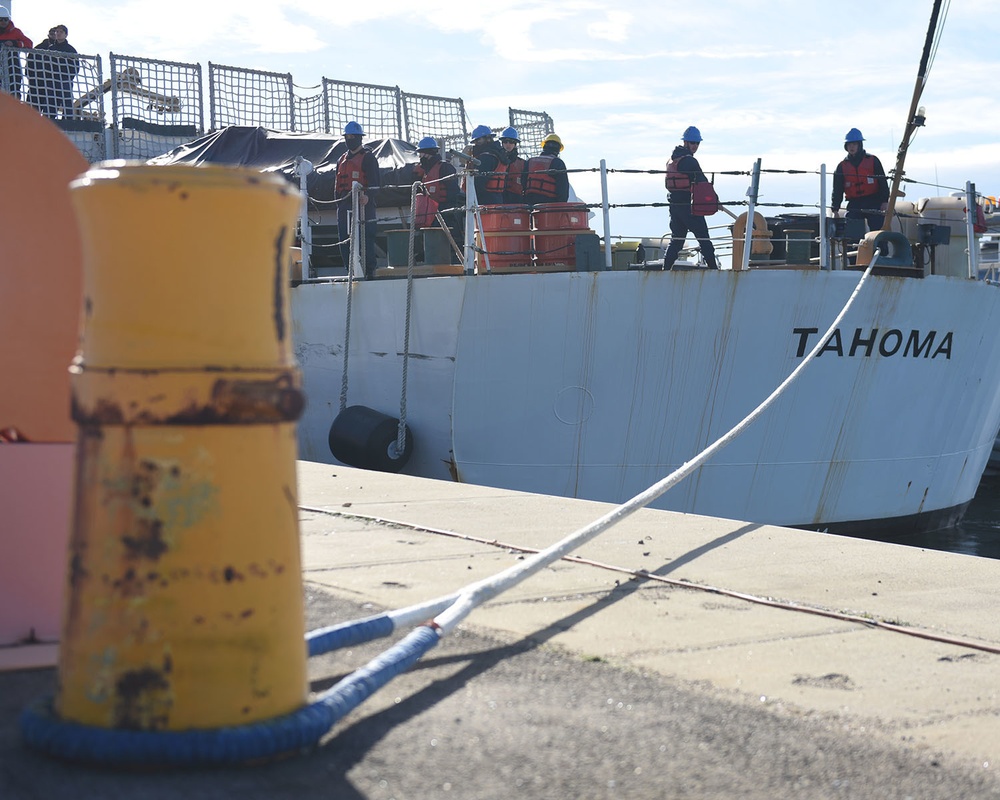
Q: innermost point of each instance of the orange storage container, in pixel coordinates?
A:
(556, 226)
(505, 236)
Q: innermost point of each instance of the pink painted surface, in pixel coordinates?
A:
(36, 483)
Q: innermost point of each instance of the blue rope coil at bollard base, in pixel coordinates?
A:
(299, 730)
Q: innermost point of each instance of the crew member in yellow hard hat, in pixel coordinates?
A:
(545, 179)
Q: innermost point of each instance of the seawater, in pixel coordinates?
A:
(978, 534)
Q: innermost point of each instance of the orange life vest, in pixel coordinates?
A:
(675, 180)
(860, 180)
(515, 177)
(350, 168)
(498, 179)
(537, 181)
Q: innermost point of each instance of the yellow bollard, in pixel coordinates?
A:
(184, 606)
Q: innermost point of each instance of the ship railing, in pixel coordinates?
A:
(816, 239)
(804, 236)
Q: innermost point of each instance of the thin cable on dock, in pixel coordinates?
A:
(771, 602)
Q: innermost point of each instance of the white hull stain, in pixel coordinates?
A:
(598, 384)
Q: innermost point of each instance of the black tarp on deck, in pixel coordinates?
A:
(273, 151)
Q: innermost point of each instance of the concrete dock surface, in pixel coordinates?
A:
(674, 656)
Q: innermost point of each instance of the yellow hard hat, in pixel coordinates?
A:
(553, 138)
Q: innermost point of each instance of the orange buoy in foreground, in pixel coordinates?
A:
(40, 280)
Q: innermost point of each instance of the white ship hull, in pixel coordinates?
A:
(598, 384)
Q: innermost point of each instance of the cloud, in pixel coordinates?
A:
(614, 27)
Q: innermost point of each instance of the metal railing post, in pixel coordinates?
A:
(752, 194)
(607, 214)
(970, 229)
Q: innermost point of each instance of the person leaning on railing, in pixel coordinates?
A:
(50, 77)
(11, 37)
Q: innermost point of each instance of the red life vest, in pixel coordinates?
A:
(980, 226)
(425, 210)
(675, 180)
(704, 200)
(426, 205)
(515, 176)
(349, 169)
(860, 181)
(429, 175)
(537, 181)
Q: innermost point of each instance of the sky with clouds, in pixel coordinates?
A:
(781, 80)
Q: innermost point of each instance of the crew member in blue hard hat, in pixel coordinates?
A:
(862, 180)
(513, 193)
(683, 172)
(546, 180)
(491, 174)
(441, 186)
(357, 164)
(438, 176)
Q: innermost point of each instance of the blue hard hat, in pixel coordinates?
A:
(853, 135)
(480, 131)
(691, 134)
(510, 133)
(353, 129)
(427, 143)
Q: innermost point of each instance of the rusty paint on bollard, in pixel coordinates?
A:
(184, 606)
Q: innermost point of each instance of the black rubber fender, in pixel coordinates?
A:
(365, 438)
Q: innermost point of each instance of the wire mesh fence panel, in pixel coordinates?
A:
(375, 108)
(440, 117)
(50, 80)
(239, 96)
(65, 87)
(12, 63)
(532, 127)
(90, 93)
(311, 113)
(155, 105)
(68, 89)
